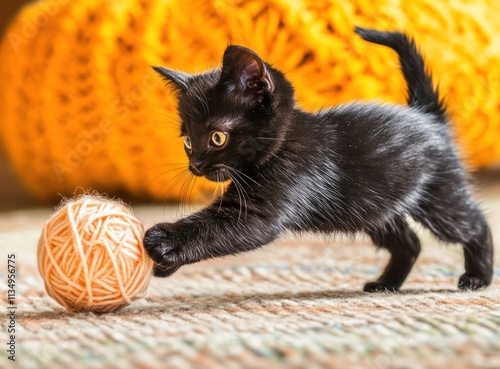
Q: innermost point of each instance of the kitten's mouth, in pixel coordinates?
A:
(217, 173)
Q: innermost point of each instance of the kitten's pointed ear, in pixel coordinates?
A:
(179, 80)
(243, 70)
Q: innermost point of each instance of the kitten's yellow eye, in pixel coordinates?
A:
(187, 142)
(219, 138)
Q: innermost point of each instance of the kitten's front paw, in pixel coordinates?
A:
(160, 246)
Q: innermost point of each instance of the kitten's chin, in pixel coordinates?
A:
(219, 175)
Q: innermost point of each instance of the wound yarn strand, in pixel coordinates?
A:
(91, 257)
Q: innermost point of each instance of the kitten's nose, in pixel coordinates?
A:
(196, 165)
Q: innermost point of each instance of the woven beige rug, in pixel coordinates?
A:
(295, 304)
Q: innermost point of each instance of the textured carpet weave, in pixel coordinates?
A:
(295, 304)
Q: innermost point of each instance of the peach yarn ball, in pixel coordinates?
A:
(91, 257)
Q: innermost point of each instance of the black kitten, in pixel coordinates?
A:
(358, 167)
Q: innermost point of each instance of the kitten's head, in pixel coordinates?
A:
(234, 119)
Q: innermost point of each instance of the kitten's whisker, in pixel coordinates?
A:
(242, 179)
(271, 138)
(163, 125)
(243, 174)
(219, 179)
(195, 110)
(164, 173)
(193, 117)
(177, 178)
(168, 164)
(237, 190)
(244, 193)
(237, 185)
(176, 166)
(171, 114)
(173, 118)
(169, 117)
(234, 177)
(193, 180)
(180, 204)
(215, 196)
(183, 196)
(241, 196)
(204, 104)
(216, 187)
(161, 108)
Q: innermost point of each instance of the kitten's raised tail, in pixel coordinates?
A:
(421, 93)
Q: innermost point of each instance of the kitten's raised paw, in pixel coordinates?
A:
(471, 283)
(378, 286)
(159, 244)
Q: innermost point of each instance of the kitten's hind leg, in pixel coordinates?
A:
(454, 218)
(404, 247)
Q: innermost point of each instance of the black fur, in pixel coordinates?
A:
(359, 167)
